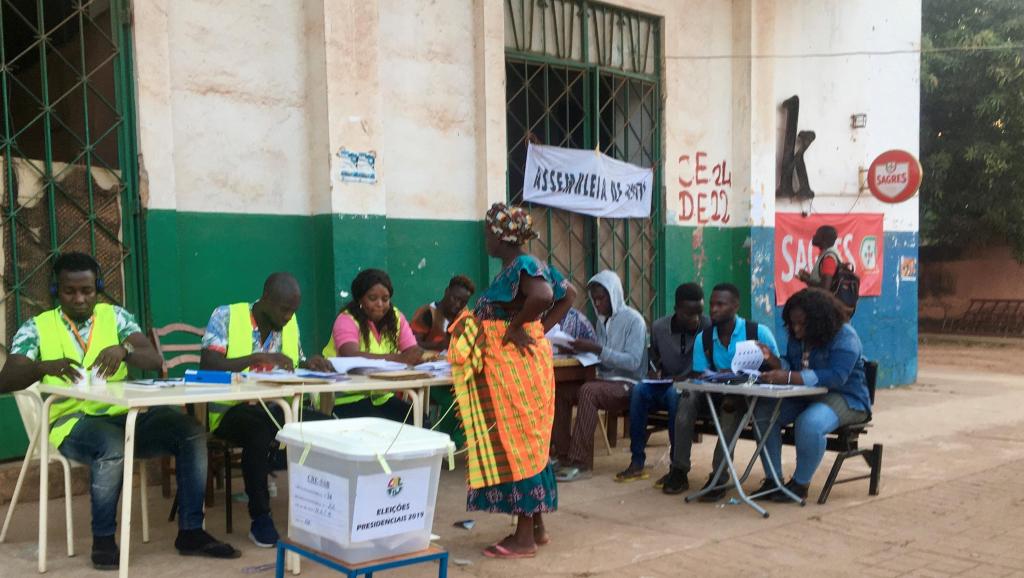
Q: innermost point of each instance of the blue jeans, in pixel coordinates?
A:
(98, 441)
(648, 397)
(812, 420)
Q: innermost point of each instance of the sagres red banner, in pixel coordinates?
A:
(860, 242)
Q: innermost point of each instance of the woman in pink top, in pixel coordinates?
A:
(370, 326)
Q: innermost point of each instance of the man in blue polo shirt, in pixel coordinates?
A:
(713, 353)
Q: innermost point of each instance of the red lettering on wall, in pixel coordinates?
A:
(706, 205)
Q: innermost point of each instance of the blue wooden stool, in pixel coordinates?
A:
(367, 568)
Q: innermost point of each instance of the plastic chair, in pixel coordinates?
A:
(30, 406)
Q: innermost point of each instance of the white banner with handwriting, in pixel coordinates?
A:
(587, 182)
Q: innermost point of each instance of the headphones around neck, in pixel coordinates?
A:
(94, 266)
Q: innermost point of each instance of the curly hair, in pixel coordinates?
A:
(361, 285)
(825, 317)
(464, 282)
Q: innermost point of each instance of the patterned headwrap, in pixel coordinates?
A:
(511, 224)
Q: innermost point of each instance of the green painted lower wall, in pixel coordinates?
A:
(708, 255)
(197, 261)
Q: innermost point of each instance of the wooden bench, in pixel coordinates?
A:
(845, 441)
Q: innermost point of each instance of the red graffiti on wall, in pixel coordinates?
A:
(705, 193)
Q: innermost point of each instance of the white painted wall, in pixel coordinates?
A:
(885, 87)
(233, 97)
(223, 109)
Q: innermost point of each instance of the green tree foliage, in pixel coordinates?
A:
(972, 124)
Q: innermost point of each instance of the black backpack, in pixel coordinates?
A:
(846, 285)
(707, 341)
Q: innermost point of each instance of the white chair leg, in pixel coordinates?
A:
(17, 487)
(604, 431)
(143, 495)
(69, 520)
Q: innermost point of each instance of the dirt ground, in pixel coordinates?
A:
(951, 502)
(995, 355)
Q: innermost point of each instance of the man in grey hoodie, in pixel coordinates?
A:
(622, 347)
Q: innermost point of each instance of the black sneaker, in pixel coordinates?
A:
(799, 489)
(713, 495)
(105, 554)
(766, 487)
(198, 543)
(675, 482)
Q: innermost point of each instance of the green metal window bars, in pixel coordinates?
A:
(582, 74)
(69, 148)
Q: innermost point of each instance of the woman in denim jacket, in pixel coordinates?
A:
(823, 350)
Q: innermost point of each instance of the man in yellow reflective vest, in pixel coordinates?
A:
(79, 337)
(257, 337)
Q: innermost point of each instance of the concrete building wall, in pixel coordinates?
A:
(948, 286)
(831, 88)
(244, 106)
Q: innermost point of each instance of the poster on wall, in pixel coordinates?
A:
(587, 182)
(861, 243)
(358, 166)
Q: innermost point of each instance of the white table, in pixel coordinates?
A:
(753, 394)
(136, 400)
(416, 388)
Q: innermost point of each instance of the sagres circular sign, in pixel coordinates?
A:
(894, 176)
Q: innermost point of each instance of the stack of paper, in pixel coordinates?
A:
(559, 338)
(347, 364)
(438, 368)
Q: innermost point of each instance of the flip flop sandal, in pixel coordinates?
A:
(568, 475)
(496, 550)
(544, 542)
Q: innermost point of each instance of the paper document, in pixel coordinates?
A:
(435, 367)
(346, 364)
(148, 384)
(587, 359)
(559, 338)
(282, 377)
(748, 358)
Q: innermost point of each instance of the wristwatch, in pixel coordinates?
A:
(128, 348)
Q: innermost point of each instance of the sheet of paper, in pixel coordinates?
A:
(345, 364)
(283, 377)
(392, 504)
(559, 338)
(319, 501)
(150, 384)
(437, 368)
(748, 357)
(587, 359)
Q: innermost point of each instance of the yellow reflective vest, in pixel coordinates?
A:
(56, 342)
(240, 345)
(371, 344)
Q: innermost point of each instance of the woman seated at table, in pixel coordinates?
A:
(371, 326)
(823, 351)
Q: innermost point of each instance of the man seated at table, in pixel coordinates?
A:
(714, 352)
(79, 337)
(672, 343)
(260, 336)
(430, 322)
(622, 347)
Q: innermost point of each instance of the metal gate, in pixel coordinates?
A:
(585, 75)
(68, 155)
(69, 162)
